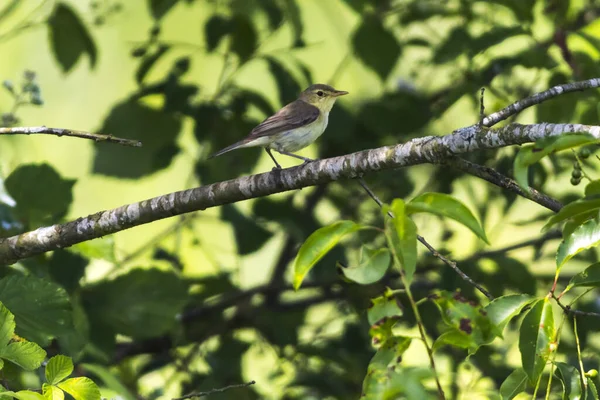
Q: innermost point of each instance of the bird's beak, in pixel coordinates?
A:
(339, 93)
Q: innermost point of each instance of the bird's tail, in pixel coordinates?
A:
(227, 149)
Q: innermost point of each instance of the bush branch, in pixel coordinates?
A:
(213, 391)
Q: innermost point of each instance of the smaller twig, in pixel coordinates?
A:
(496, 178)
(481, 107)
(581, 369)
(568, 310)
(431, 249)
(538, 98)
(213, 391)
(44, 130)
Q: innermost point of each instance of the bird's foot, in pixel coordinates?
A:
(277, 168)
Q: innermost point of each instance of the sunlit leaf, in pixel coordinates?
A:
(372, 267)
(51, 392)
(81, 388)
(590, 277)
(27, 355)
(592, 391)
(502, 309)
(385, 306)
(58, 368)
(571, 380)
(445, 205)
(317, 245)
(514, 384)
(536, 334)
(574, 209)
(402, 237)
(27, 395)
(583, 237)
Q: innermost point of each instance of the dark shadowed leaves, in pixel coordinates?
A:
(536, 334)
(249, 236)
(243, 39)
(42, 196)
(588, 278)
(159, 8)
(27, 355)
(69, 37)
(142, 303)
(67, 268)
(570, 379)
(560, 108)
(148, 62)
(289, 88)
(41, 308)
(381, 57)
(216, 29)
(155, 129)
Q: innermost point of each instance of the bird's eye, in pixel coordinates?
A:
(320, 93)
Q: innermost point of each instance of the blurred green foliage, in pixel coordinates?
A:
(206, 301)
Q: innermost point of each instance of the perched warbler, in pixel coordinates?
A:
(295, 126)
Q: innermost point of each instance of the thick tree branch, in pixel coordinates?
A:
(422, 150)
(44, 130)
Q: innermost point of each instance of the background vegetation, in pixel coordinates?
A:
(205, 300)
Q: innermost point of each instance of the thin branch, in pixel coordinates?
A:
(431, 249)
(538, 98)
(213, 391)
(43, 130)
(568, 310)
(417, 151)
(493, 176)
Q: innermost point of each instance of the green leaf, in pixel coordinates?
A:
(530, 154)
(216, 29)
(142, 303)
(109, 380)
(573, 210)
(514, 384)
(583, 237)
(445, 205)
(52, 392)
(243, 37)
(41, 308)
(45, 202)
(571, 380)
(372, 267)
(590, 277)
(381, 382)
(27, 355)
(592, 189)
(381, 58)
(101, 248)
(386, 306)
(81, 388)
(69, 37)
(468, 321)
(389, 352)
(536, 334)
(317, 245)
(27, 395)
(502, 309)
(157, 131)
(58, 368)
(592, 391)
(402, 237)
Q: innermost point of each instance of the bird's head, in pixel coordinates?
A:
(321, 96)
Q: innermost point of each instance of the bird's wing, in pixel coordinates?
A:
(296, 114)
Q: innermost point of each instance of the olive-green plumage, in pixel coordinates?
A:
(295, 126)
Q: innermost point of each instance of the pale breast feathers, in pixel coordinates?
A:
(292, 116)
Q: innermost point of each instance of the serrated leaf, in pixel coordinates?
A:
(445, 205)
(502, 309)
(81, 388)
(381, 58)
(583, 237)
(402, 237)
(109, 380)
(531, 154)
(317, 245)
(47, 200)
(571, 380)
(27, 395)
(27, 355)
(372, 267)
(58, 368)
(592, 391)
(514, 384)
(41, 308)
(142, 303)
(535, 336)
(69, 37)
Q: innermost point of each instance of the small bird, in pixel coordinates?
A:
(295, 126)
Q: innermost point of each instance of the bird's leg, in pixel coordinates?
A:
(305, 159)
(277, 166)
